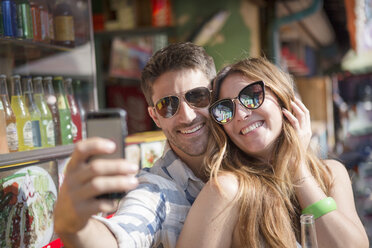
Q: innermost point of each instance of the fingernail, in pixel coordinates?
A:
(111, 145)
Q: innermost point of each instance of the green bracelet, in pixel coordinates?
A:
(321, 207)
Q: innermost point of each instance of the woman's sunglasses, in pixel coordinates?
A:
(251, 97)
(168, 106)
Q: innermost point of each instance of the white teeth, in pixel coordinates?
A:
(252, 127)
(191, 130)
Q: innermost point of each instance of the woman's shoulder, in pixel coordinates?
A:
(337, 168)
(226, 184)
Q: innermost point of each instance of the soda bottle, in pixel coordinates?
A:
(75, 113)
(24, 20)
(47, 126)
(23, 119)
(64, 31)
(308, 233)
(3, 140)
(36, 22)
(11, 126)
(34, 112)
(50, 21)
(9, 15)
(51, 101)
(63, 111)
(44, 21)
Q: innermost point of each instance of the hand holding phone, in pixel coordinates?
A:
(109, 124)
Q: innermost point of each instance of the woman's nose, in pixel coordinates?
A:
(241, 111)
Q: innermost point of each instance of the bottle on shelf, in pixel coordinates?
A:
(44, 21)
(64, 32)
(9, 15)
(63, 111)
(47, 125)
(3, 140)
(308, 233)
(50, 21)
(37, 134)
(24, 20)
(36, 21)
(75, 113)
(23, 119)
(51, 100)
(10, 119)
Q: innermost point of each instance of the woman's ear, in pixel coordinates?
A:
(153, 115)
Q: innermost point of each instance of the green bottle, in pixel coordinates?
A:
(23, 119)
(47, 125)
(63, 111)
(34, 112)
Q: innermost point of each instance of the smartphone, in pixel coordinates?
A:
(110, 124)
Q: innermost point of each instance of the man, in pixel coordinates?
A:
(176, 83)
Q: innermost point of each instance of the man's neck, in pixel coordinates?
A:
(195, 163)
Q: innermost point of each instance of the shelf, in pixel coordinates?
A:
(139, 31)
(28, 50)
(35, 156)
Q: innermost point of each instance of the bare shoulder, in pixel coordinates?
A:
(226, 185)
(338, 170)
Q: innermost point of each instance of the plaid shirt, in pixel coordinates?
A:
(153, 214)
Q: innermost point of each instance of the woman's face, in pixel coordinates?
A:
(253, 131)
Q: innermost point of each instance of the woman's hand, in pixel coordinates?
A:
(300, 120)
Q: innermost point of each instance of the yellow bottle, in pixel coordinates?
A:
(23, 119)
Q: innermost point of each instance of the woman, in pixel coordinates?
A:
(262, 173)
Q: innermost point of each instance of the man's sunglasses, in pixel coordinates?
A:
(251, 97)
(168, 106)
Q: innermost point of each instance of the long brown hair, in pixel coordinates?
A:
(269, 211)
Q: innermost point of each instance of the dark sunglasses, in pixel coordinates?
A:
(168, 106)
(252, 96)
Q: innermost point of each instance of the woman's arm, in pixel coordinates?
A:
(212, 218)
(339, 228)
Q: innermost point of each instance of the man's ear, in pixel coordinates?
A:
(153, 115)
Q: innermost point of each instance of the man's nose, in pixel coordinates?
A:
(186, 113)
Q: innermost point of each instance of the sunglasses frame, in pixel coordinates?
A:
(261, 83)
(183, 94)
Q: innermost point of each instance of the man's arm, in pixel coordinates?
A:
(83, 182)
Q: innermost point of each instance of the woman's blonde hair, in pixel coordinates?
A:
(269, 211)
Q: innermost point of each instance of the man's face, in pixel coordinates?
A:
(186, 131)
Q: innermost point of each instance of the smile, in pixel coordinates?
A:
(252, 127)
(193, 130)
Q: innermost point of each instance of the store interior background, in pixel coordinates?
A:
(325, 45)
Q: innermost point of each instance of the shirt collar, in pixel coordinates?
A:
(179, 171)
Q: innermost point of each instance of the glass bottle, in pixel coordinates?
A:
(36, 21)
(75, 114)
(308, 233)
(44, 21)
(24, 20)
(11, 126)
(47, 125)
(63, 111)
(51, 100)
(64, 32)
(3, 140)
(37, 134)
(50, 21)
(24, 125)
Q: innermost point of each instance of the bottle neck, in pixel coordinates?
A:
(16, 87)
(38, 85)
(3, 87)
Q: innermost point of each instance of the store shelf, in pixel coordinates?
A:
(35, 156)
(140, 31)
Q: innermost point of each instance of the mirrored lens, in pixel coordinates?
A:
(252, 96)
(167, 106)
(222, 111)
(199, 97)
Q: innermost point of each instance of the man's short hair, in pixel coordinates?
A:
(177, 56)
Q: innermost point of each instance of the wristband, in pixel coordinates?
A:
(321, 207)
